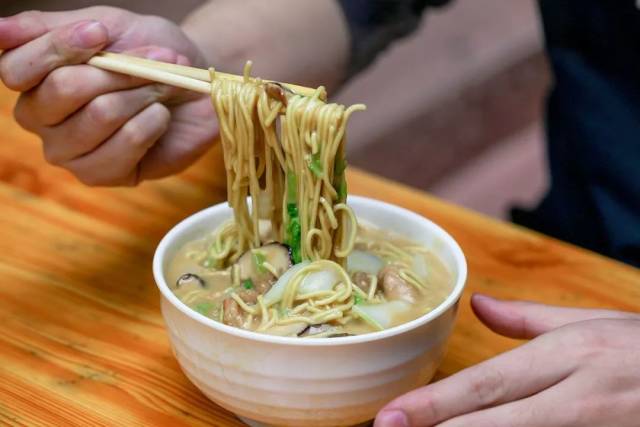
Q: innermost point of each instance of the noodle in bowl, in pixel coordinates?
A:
(287, 381)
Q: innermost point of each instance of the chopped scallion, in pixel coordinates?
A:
(315, 165)
(204, 308)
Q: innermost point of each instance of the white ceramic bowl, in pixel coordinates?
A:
(312, 382)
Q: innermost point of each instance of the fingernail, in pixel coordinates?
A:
(90, 34)
(392, 418)
(483, 297)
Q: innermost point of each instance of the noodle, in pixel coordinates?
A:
(294, 169)
(284, 160)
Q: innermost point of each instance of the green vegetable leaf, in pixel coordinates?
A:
(293, 232)
(357, 299)
(292, 187)
(340, 166)
(293, 229)
(339, 179)
(292, 210)
(294, 240)
(247, 284)
(315, 165)
(342, 190)
(259, 259)
(204, 308)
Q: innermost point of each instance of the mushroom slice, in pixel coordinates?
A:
(290, 330)
(395, 287)
(314, 329)
(324, 329)
(362, 280)
(188, 279)
(252, 265)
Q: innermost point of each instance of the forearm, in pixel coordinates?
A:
(298, 41)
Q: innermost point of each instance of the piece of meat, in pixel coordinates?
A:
(263, 286)
(276, 91)
(249, 296)
(232, 313)
(361, 280)
(395, 287)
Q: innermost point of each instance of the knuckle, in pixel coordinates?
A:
(134, 133)
(131, 180)
(9, 74)
(163, 116)
(488, 386)
(429, 407)
(51, 155)
(92, 179)
(30, 16)
(88, 179)
(103, 111)
(61, 84)
(589, 336)
(85, 174)
(109, 13)
(22, 113)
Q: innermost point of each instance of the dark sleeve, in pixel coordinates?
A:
(374, 24)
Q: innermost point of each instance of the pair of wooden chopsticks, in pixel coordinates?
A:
(181, 76)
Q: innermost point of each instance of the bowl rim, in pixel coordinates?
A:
(451, 299)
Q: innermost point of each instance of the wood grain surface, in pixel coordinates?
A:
(81, 337)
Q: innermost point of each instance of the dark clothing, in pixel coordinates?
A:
(374, 24)
(593, 120)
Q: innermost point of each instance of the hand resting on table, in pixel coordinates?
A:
(581, 369)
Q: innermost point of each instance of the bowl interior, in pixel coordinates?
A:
(377, 213)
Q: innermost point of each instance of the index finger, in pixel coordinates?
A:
(24, 27)
(23, 68)
(510, 376)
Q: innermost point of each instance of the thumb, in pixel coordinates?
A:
(525, 320)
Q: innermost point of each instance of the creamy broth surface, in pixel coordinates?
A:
(410, 282)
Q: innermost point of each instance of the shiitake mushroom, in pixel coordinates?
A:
(189, 278)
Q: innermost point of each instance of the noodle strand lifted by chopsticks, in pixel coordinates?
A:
(285, 154)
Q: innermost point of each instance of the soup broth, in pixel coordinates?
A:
(385, 281)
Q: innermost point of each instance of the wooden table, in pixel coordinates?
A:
(82, 341)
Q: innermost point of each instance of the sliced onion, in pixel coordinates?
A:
(323, 280)
(275, 293)
(420, 266)
(381, 316)
(364, 261)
